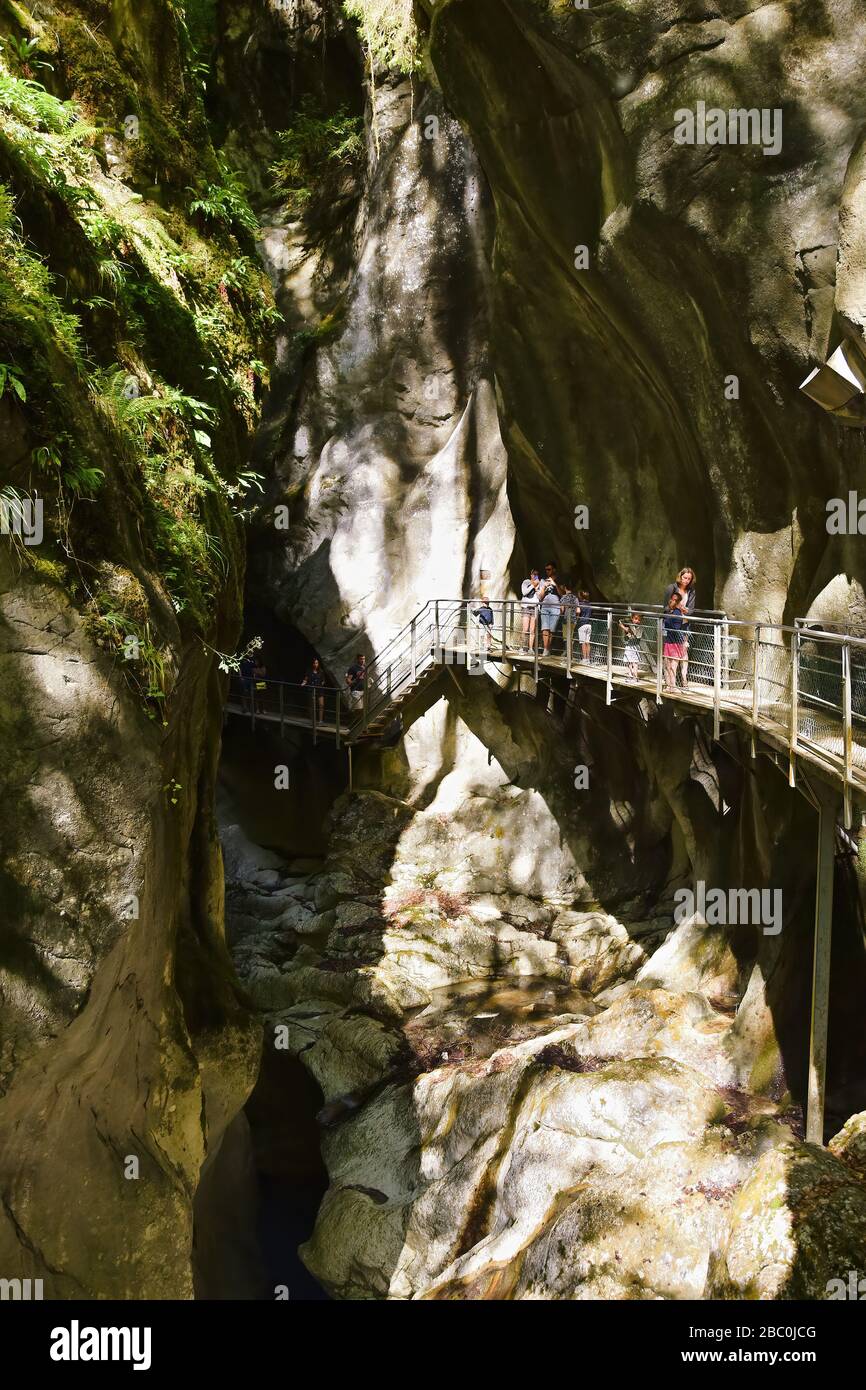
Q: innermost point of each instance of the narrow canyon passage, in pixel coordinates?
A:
(432, 653)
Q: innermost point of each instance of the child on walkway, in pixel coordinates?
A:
(631, 630)
(675, 651)
(568, 603)
(584, 629)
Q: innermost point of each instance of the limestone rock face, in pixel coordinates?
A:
(850, 1144)
(127, 1050)
(797, 1227)
(124, 1035)
(633, 320)
(637, 275)
(391, 462)
(558, 1175)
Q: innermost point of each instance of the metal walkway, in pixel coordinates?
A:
(799, 689)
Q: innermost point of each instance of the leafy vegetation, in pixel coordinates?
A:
(388, 32)
(225, 202)
(312, 143)
(131, 345)
(10, 380)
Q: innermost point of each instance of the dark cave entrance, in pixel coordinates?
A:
(291, 1178)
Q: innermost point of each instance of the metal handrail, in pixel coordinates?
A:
(804, 685)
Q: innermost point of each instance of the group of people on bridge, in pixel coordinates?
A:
(546, 601)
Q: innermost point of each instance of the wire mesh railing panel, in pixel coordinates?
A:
(738, 661)
(858, 707)
(820, 693)
(735, 664)
(273, 701)
(774, 684)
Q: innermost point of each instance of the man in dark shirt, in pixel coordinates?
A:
(356, 676)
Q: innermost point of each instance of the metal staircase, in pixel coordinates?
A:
(435, 637)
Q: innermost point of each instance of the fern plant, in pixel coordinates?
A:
(224, 202)
(311, 144)
(10, 380)
(388, 31)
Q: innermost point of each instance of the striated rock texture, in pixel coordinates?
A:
(385, 431)
(609, 385)
(703, 262)
(525, 1094)
(510, 292)
(549, 301)
(127, 1049)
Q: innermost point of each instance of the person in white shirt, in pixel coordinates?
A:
(529, 604)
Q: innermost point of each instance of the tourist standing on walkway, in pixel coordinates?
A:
(356, 677)
(248, 683)
(315, 679)
(674, 649)
(550, 607)
(529, 604)
(685, 585)
(584, 624)
(569, 606)
(632, 630)
(260, 685)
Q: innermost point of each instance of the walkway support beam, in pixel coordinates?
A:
(535, 644)
(717, 681)
(847, 733)
(609, 687)
(756, 685)
(821, 968)
(659, 659)
(795, 709)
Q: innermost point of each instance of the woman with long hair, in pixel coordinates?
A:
(686, 582)
(685, 585)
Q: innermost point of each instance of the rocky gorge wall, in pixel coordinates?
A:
(521, 1157)
(533, 1082)
(128, 323)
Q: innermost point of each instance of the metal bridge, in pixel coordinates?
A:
(798, 688)
(798, 691)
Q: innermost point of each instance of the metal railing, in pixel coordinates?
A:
(324, 709)
(804, 685)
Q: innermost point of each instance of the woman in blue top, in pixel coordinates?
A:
(675, 651)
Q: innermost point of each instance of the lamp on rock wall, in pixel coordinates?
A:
(839, 387)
